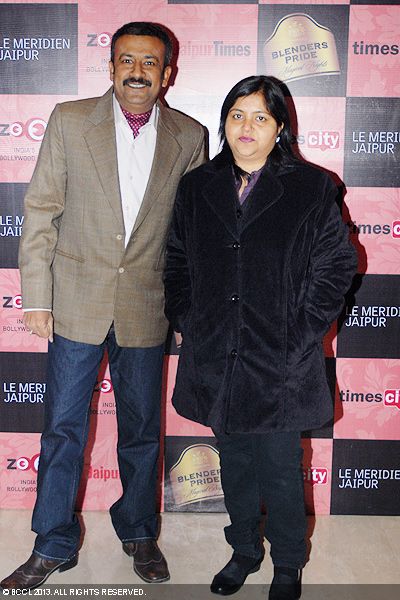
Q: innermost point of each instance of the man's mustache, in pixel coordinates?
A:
(137, 80)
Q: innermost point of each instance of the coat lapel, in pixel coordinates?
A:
(166, 154)
(220, 194)
(265, 194)
(100, 139)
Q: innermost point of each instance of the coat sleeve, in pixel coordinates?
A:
(44, 206)
(177, 281)
(332, 265)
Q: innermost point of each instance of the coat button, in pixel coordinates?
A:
(234, 353)
(119, 237)
(239, 213)
(121, 270)
(236, 245)
(234, 298)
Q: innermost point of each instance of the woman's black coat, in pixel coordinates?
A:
(253, 291)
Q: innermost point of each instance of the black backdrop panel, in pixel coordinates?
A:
(23, 391)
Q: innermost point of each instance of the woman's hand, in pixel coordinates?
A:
(178, 339)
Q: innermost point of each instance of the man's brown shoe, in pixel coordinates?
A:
(35, 572)
(148, 560)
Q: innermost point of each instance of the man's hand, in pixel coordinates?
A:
(40, 322)
(178, 339)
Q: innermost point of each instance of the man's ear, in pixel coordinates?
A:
(166, 75)
(111, 69)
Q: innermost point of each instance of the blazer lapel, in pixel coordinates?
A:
(100, 139)
(220, 194)
(265, 194)
(165, 158)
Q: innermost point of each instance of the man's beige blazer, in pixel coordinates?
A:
(72, 256)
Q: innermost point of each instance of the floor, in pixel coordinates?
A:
(345, 550)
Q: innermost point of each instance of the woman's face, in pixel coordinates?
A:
(251, 131)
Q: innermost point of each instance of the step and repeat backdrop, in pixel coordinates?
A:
(340, 62)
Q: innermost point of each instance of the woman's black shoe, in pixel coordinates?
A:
(233, 575)
(286, 584)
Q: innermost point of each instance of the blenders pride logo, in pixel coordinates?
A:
(37, 39)
(196, 475)
(307, 49)
(300, 47)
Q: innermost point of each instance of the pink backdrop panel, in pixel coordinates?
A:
(373, 71)
(360, 399)
(18, 459)
(230, 39)
(317, 470)
(95, 28)
(227, 45)
(375, 228)
(321, 131)
(13, 334)
(26, 120)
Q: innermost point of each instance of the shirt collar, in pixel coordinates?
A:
(253, 176)
(122, 122)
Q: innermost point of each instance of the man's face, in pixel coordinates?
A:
(138, 72)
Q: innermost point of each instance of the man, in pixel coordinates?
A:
(97, 213)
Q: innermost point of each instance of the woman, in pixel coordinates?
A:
(258, 261)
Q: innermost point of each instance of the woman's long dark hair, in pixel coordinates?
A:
(270, 88)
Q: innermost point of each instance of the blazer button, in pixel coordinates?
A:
(119, 237)
(121, 270)
(234, 353)
(235, 298)
(236, 245)
(239, 213)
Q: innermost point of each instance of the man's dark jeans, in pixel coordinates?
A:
(136, 374)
